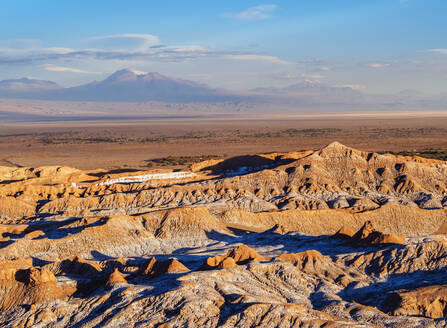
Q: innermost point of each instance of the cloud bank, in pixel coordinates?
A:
(125, 41)
(119, 47)
(378, 65)
(53, 68)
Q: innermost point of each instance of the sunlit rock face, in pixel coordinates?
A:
(334, 237)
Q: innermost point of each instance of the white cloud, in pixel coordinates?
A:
(137, 72)
(378, 65)
(312, 76)
(56, 58)
(271, 59)
(191, 48)
(125, 41)
(66, 69)
(351, 86)
(157, 53)
(57, 50)
(254, 13)
(438, 51)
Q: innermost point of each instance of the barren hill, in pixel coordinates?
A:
(25, 88)
(248, 241)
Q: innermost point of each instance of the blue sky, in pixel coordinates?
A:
(379, 46)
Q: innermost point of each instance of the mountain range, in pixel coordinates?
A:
(122, 86)
(136, 87)
(24, 86)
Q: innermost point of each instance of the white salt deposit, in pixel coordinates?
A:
(146, 177)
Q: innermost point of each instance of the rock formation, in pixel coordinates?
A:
(329, 238)
(368, 236)
(428, 301)
(154, 268)
(239, 255)
(116, 277)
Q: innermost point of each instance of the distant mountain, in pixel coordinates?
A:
(129, 86)
(122, 86)
(312, 94)
(26, 87)
(310, 87)
(137, 87)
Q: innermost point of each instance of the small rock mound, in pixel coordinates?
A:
(339, 203)
(75, 266)
(116, 277)
(54, 171)
(39, 276)
(428, 301)
(30, 286)
(306, 256)
(314, 263)
(154, 268)
(279, 229)
(239, 255)
(31, 277)
(368, 235)
(228, 263)
(243, 254)
(344, 233)
(429, 202)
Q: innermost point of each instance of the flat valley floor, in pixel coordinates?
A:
(173, 142)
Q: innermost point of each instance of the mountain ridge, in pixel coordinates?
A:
(122, 86)
(25, 84)
(132, 86)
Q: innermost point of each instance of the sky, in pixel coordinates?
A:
(378, 46)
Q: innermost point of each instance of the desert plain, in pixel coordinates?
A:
(134, 142)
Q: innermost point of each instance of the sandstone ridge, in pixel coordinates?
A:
(334, 237)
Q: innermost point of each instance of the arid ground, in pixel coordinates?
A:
(334, 237)
(174, 142)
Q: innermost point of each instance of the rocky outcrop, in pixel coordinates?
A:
(429, 256)
(344, 233)
(369, 236)
(336, 177)
(237, 256)
(428, 301)
(306, 256)
(154, 268)
(116, 277)
(337, 238)
(30, 286)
